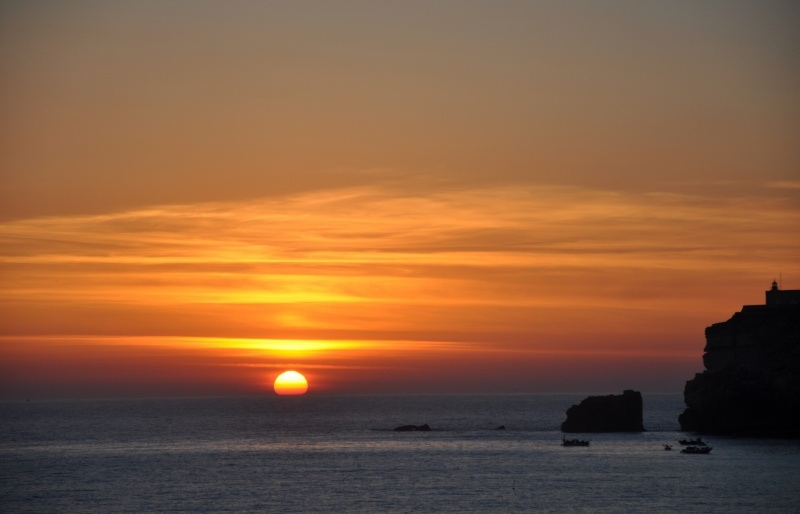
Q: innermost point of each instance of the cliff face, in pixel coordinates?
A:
(751, 384)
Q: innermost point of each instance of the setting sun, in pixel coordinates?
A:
(291, 383)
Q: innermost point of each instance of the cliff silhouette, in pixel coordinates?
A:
(751, 382)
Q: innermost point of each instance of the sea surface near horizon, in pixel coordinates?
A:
(339, 454)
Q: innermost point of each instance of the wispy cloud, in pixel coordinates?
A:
(784, 184)
(375, 262)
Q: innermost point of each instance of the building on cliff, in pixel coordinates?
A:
(776, 296)
(751, 382)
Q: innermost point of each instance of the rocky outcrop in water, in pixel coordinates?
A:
(751, 382)
(413, 428)
(612, 413)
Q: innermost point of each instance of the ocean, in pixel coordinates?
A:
(319, 453)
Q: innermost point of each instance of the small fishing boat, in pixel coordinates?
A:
(697, 449)
(667, 447)
(574, 442)
(692, 442)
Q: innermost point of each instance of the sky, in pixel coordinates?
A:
(388, 197)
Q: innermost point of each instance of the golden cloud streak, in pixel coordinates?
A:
(386, 262)
(371, 225)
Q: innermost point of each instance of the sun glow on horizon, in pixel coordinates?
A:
(290, 383)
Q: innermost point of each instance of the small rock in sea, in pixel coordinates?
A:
(413, 428)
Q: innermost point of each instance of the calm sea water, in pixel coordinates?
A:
(339, 454)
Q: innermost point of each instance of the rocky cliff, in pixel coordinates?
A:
(751, 382)
(611, 413)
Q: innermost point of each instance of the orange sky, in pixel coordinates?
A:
(408, 198)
